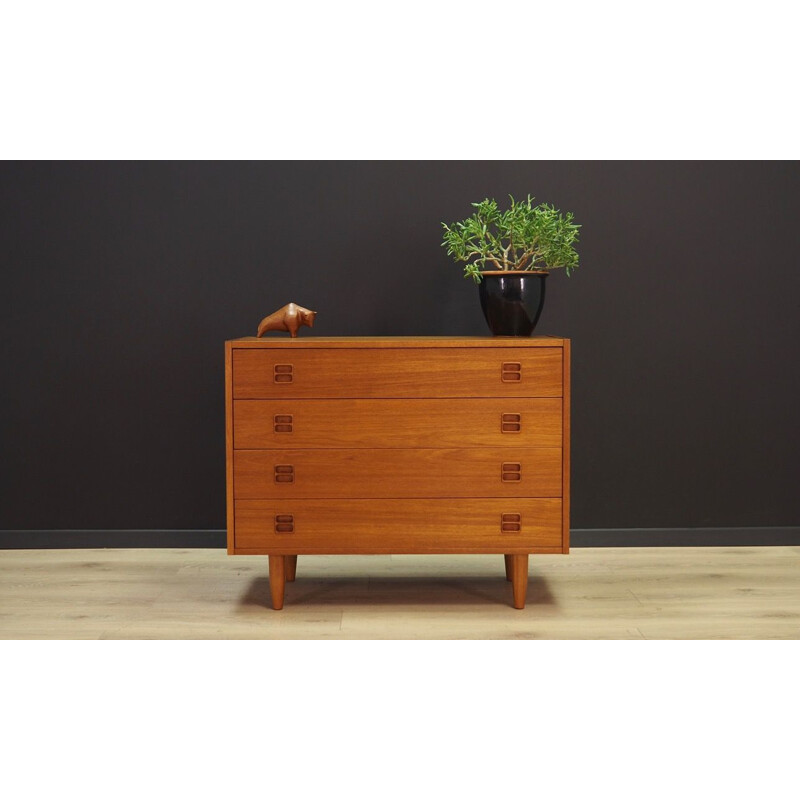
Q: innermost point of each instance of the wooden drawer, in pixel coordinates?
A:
(430, 472)
(298, 424)
(397, 372)
(398, 526)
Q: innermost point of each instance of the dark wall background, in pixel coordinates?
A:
(121, 281)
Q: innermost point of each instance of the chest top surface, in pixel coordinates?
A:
(371, 342)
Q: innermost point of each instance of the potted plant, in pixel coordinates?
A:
(509, 255)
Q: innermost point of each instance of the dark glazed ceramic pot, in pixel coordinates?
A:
(512, 301)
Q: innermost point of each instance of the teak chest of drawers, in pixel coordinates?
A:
(397, 445)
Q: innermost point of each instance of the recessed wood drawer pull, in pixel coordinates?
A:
(510, 423)
(510, 523)
(511, 471)
(283, 423)
(284, 523)
(283, 373)
(284, 473)
(511, 372)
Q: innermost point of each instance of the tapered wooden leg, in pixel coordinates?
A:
(277, 580)
(519, 579)
(291, 568)
(508, 567)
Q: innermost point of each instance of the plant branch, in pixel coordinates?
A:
(522, 237)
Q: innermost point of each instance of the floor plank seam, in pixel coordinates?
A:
(636, 598)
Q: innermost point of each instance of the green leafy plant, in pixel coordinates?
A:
(523, 237)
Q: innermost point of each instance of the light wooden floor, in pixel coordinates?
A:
(597, 593)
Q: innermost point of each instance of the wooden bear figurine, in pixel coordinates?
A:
(289, 318)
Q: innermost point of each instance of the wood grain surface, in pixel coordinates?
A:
(674, 593)
(397, 526)
(397, 423)
(397, 372)
(519, 578)
(429, 472)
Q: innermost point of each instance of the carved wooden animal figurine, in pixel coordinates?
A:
(289, 318)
